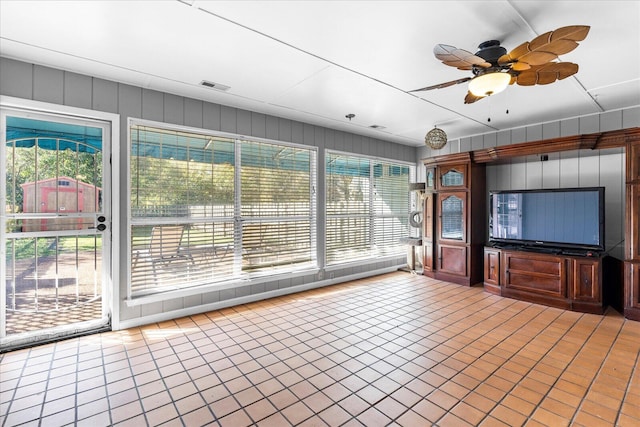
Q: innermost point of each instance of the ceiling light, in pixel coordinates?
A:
(436, 138)
(489, 83)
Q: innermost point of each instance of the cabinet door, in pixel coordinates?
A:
(452, 216)
(492, 267)
(452, 259)
(452, 177)
(492, 271)
(586, 281)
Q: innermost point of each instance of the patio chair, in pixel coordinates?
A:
(164, 248)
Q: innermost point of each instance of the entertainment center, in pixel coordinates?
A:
(544, 246)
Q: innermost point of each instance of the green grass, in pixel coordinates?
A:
(48, 246)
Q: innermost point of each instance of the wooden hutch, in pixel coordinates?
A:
(454, 244)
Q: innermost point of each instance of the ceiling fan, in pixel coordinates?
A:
(531, 63)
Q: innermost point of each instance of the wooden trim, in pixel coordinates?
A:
(593, 141)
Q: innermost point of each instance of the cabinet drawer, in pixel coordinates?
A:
(527, 272)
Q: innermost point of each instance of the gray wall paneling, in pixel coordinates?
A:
(33, 82)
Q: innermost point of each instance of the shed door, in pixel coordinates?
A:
(54, 227)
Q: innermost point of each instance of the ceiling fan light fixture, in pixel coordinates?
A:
(489, 83)
(435, 138)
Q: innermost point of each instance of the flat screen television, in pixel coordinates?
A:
(563, 219)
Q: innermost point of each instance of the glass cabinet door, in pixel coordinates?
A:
(452, 177)
(452, 225)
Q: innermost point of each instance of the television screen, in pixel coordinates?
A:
(562, 218)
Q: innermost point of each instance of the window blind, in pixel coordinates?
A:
(367, 207)
(205, 208)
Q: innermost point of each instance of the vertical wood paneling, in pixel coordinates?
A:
(285, 130)
(16, 78)
(297, 132)
(228, 119)
(569, 169)
(243, 122)
(357, 143)
(258, 125)
(173, 109)
(490, 140)
(347, 144)
(193, 115)
(129, 104)
(569, 127)
(551, 171)
(612, 177)
(319, 137)
(308, 134)
(631, 117)
(589, 124)
(48, 85)
(589, 169)
(518, 135)
(503, 178)
(271, 128)
(152, 105)
(534, 133)
(611, 120)
(504, 138)
(78, 90)
(477, 142)
(518, 175)
(465, 145)
(211, 116)
(551, 130)
(105, 95)
(533, 167)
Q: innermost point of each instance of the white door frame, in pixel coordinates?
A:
(112, 281)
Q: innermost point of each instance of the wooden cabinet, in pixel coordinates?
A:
(567, 282)
(453, 252)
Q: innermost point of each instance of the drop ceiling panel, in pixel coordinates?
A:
(316, 61)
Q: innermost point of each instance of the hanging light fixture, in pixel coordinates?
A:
(489, 83)
(435, 138)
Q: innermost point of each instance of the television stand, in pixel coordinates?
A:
(567, 281)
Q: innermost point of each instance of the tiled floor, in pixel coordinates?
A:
(398, 349)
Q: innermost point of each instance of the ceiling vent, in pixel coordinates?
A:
(379, 127)
(217, 86)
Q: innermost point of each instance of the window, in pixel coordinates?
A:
(367, 207)
(209, 208)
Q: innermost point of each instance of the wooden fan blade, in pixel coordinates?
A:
(520, 66)
(572, 32)
(515, 53)
(459, 58)
(443, 85)
(537, 58)
(471, 98)
(546, 47)
(546, 74)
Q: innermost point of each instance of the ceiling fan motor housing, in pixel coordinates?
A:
(490, 51)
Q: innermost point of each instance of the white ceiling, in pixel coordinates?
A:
(317, 61)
